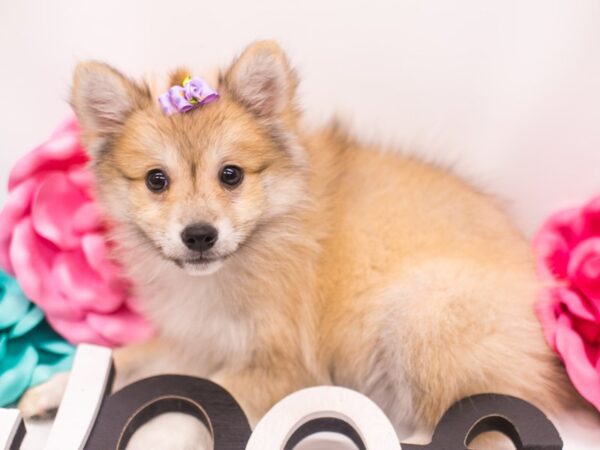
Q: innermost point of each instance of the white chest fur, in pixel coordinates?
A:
(201, 315)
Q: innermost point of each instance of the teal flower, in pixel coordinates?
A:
(30, 351)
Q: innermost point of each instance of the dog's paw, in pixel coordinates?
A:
(41, 402)
(172, 431)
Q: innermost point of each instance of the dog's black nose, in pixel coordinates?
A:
(199, 237)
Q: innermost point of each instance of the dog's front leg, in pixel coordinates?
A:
(131, 363)
(257, 388)
(143, 360)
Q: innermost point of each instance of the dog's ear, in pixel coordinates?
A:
(262, 80)
(103, 99)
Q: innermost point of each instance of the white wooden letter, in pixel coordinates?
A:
(299, 408)
(83, 397)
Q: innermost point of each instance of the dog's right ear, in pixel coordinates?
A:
(103, 99)
(262, 80)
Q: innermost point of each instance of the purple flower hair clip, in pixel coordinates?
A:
(193, 93)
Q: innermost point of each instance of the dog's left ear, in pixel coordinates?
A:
(262, 80)
(103, 99)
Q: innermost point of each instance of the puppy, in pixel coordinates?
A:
(271, 257)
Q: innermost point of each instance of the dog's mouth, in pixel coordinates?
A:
(201, 264)
(191, 261)
(200, 260)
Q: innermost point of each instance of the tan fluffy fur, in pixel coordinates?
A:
(348, 264)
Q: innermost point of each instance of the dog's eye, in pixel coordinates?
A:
(156, 180)
(231, 176)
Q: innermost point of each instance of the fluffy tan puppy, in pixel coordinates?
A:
(271, 257)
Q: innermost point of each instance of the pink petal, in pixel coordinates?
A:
(87, 218)
(96, 252)
(77, 281)
(58, 153)
(16, 206)
(82, 177)
(69, 125)
(553, 255)
(591, 217)
(121, 327)
(554, 241)
(588, 330)
(547, 310)
(54, 206)
(568, 224)
(582, 372)
(584, 318)
(575, 304)
(56, 305)
(32, 259)
(78, 332)
(584, 268)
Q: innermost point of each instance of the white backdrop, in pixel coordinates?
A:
(507, 91)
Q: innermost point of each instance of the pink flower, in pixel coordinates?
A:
(53, 241)
(568, 246)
